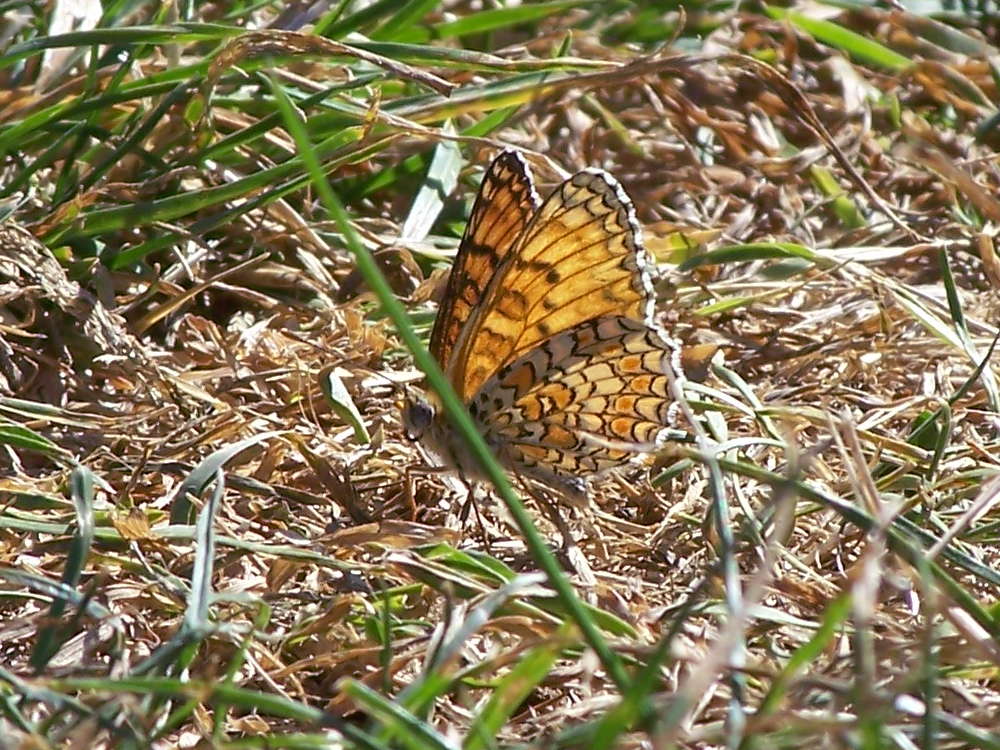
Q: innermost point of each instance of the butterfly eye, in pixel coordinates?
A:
(417, 418)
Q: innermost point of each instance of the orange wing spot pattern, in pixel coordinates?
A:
(520, 378)
(604, 382)
(626, 404)
(559, 437)
(632, 364)
(579, 258)
(558, 394)
(546, 329)
(506, 202)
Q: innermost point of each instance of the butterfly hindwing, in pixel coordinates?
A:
(582, 402)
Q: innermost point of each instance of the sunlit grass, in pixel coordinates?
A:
(213, 217)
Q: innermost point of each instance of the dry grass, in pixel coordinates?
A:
(819, 571)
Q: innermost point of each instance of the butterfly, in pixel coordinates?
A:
(546, 333)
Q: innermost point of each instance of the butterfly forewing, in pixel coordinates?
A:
(506, 202)
(579, 258)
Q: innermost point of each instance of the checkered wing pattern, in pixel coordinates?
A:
(582, 402)
(547, 329)
(579, 258)
(506, 202)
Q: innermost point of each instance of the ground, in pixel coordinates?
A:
(212, 527)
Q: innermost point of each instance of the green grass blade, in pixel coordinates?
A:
(408, 730)
(196, 616)
(859, 47)
(196, 482)
(419, 696)
(139, 133)
(750, 252)
(55, 590)
(187, 32)
(17, 436)
(404, 20)
(442, 177)
(834, 618)
(903, 537)
(334, 27)
(82, 491)
(512, 691)
(493, 19)
(478, 566)
(845, 209)
(962, 329)
(342, 403)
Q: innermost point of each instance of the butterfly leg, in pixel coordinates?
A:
(473, 495)
(410, 492)
(476, 503)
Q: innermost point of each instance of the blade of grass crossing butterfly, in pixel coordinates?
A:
(452, 405)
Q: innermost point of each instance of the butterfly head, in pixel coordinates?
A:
(418, 416)
(423, 424)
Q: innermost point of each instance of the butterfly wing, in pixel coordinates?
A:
(505, 204)
(581, 403)
(579, 258)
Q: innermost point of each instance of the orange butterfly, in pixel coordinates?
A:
(546, 332)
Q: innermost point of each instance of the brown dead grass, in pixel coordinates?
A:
(144, 387)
